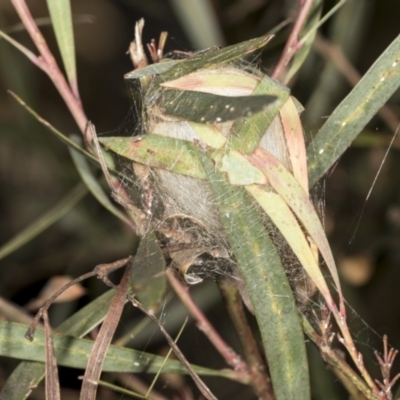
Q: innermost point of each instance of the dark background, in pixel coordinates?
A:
(36, 170)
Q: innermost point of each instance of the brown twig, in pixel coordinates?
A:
(330, 355)
(293, 44)
(386, 364)
(229, 355)
(103, 340)
(259, 378)
(48, 64)
(52, 381)
(31, 331)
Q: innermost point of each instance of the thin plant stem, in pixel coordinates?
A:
(333, 358)
(259, 377)
(293, 43)
(48, 64)
(229, 355)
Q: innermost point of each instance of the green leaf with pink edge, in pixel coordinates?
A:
(283, 218)
(295, 141)
(297, 199)
(158, 151)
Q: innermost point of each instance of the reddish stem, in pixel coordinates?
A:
(48, 64)
(292, 44)
(229, 355)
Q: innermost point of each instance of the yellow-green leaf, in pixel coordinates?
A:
(60, 14)
(283, 218)
(297, 199)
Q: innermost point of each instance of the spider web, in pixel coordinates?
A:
(191, 206)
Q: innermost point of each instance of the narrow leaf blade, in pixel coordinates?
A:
(158, 151)
(267, 286)
(45, 221)
(93, 185)
(283, 218)
(297, 199)
(215, 57)
(61, 18)
(74, 353)
(354, 112)
(29, 373)
(212, 108)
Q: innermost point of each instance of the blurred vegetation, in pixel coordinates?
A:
(36, 170)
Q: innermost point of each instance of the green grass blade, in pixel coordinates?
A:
(53, 130)
(354, 112)
(29, 374)
(267, 286)
(46, 220)
(199, 20)
(73, 352)
(19, 46)
(60, 14)
(93, 185)
(215, 57)
(70, 143)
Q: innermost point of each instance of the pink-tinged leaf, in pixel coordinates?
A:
(297, 199)
(295, 141)
(281, 215)
(223, 81)
(158, 151)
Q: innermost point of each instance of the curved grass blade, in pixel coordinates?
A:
(46, 220)
(283, 218)
(267, 286)
(354, 112)
(93, 185)
(55, 131)
(60, 14)
(70, 143)
(297, 199)
(74, 353)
